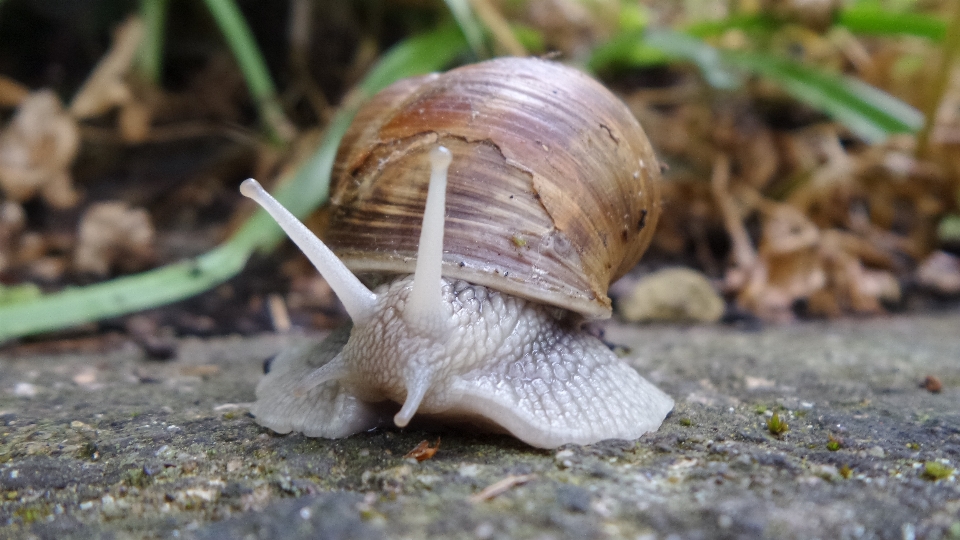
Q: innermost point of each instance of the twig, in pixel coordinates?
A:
(743, 253)
(501, 487)
(106, 87)
(279, 315)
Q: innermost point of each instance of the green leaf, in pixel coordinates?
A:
(948, 231)
(18, 293)
(254, 68)
(531, 38)
(414, 56)
(867, 111)
(753, 22)
(679, 46)
(633, 16)
(150, 55)
(469, 25)
(878, 22)
(301, 192)
(626, 49)
(860, 19)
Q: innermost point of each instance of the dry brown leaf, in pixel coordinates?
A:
(787, 266)
(423, 451)
(744, 256)
(134, 121)
(111, 85)
(940, 272)
(12, 93)
(113, 235)
(855, 287)
(37, 150)
(107, 86)
(841, 221)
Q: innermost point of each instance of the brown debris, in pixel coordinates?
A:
(931, 384)
(940, 272)
(158, 343)
(37, 149)
(113, 235)
(800, 215)
(423, 451)
(202, 370)
(39, 257)
(501, 487)
(12, 93)
(279, 315)
(798, 260)
(107, 87)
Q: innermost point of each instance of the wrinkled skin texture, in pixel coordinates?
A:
(496, 359)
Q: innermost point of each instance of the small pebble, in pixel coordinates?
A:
(673, 294)
(25, 389)
(932, 384)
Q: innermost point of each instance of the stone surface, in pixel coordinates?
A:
(116, 446)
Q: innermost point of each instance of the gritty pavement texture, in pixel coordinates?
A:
(117, 446)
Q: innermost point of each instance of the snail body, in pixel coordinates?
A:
(552, 195)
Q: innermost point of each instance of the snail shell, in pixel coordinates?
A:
(542, 189)
(553, 191)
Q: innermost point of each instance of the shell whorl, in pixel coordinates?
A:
(553, 191)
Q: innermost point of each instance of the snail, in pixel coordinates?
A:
(540, 189)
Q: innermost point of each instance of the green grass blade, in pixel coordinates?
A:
(878, 22)
(150, 56)
(419, 54)
(679, 46)
(949, 229)
(742, 22)
(304, 190)
(867, 111)
(469, 25)
(245, 50)
(122, 295)
(626, 49)
(866, 20)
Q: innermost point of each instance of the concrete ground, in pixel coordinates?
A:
(116, 446)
